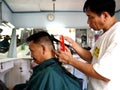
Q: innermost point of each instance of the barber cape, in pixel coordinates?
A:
(50, 75)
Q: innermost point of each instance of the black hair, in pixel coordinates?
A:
(99, 6)
(41, 36)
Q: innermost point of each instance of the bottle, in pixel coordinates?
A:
(23, 47)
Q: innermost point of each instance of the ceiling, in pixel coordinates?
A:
(19, 6)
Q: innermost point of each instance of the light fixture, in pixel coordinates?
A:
(51, 16)
(7, 24)
(54, 5)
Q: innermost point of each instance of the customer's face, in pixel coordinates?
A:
(36, 52)
(95, 21)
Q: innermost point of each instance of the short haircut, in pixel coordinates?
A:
(41, 37)
(99, 6)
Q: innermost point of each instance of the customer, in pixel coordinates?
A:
(5, 42)
(48, 74)
(103, 60)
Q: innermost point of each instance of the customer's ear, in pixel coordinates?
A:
(43, 49)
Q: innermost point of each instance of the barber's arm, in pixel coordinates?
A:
(83, 53)
(11, 88)
(86, 68)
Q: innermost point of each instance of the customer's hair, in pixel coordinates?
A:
(41, 37)
(99, 6)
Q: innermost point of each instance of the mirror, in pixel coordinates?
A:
(84, 37)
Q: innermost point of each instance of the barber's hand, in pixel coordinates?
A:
(64, 56)
(70, 40)
(11, 88)
(72, 43)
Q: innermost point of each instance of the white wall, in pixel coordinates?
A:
(6, 13)
(7, 16)
(39, 20)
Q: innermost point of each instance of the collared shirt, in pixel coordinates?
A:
(106, 60)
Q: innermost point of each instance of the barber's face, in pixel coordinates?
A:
(95, 22)
(36, 52)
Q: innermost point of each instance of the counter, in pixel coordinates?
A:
(5, 65)
(14, 70)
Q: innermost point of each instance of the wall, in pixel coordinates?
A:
(39, 20)
(6, 13)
